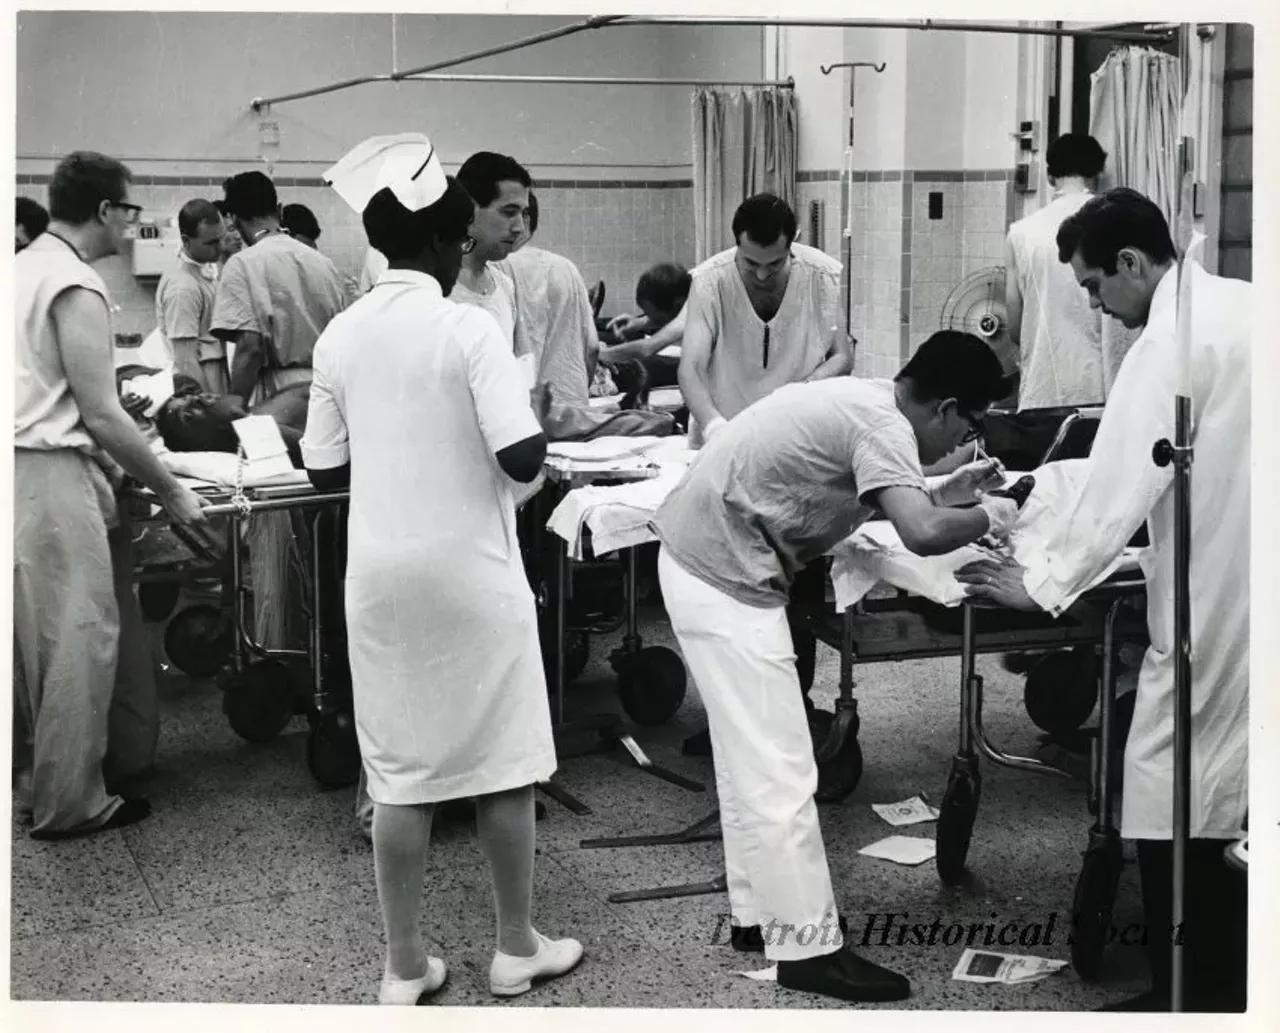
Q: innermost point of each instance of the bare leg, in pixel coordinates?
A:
(400, 839)
(505, 825)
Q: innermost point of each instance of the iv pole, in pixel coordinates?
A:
(1180, 453)
(847, 176)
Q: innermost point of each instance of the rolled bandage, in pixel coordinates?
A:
(1002, 514)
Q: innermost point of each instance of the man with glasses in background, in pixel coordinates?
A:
(85, 710)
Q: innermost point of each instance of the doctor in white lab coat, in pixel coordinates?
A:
(1121, 252)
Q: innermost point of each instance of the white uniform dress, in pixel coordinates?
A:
(1060, 336)
(418, 394)
(1123, 487)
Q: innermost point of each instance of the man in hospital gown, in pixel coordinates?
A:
(499, 186)
(1119, 248)
(555, 327)
(776, 488)
(1057, 333)
(760, 316)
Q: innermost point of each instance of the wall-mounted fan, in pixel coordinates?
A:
(976, 306)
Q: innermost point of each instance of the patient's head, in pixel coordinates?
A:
(196, 421)
(662, 292)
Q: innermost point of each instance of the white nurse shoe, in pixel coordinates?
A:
(411, 991)
(510, 976)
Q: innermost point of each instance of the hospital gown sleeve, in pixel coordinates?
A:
(887, 456)
(180, 305)
(498, 385)
(703, 308)
(325, 444)
(233, 302)
(1121, 484)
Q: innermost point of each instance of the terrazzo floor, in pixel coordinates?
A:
(250, 884)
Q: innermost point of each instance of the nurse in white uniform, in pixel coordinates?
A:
(1121, 252)
(419, 404)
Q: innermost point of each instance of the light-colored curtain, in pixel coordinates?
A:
(1135, 110)
(1135, 105)
(744, 143)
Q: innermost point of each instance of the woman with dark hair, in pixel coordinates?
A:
(30, 222)
(419, 407)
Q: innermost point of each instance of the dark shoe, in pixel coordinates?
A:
(698, 744)
(750, 939)
(843, 975)
(128, 813)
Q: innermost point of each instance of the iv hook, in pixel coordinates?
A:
(828, 69)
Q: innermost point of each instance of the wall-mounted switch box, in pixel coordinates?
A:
(935, 204)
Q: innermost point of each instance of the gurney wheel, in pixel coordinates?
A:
(1062, 690)
(198, 640)
(1095, 897)
(258, 701)
(651, 684)
(333, 752)
(157, 599)
(956, 817)
(839, 776)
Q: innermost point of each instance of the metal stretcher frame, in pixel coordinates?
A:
(872, 632)
(608, 727)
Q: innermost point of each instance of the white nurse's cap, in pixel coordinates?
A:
(407, 163)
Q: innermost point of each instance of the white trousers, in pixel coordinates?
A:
(743, 662)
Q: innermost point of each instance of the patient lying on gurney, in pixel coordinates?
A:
(192, 420)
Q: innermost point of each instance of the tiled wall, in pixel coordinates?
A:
(903, 264)
(612, 230)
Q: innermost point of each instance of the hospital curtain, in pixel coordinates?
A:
(1135, 106)
(744, 143)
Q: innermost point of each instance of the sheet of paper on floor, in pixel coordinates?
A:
(906, 812)
(977, 966)
(910, 850)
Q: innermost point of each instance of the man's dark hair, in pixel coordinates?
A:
(1075, 154)
(402, 235)
(31, 217)
(300, 220)
(483, 171)
(195, 214)
(764, 218)
(954, 364)
(533, 213)
(202, 432)
(1106, 224)
(250, 195)
(665, 286)
(81, 182)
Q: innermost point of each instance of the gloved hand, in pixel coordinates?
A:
(966, 482)
(1002, 514)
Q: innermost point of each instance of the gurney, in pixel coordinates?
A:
(261, 687)
(651, 680)
(927, 616)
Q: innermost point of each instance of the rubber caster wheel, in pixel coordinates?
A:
(1091, 910)
(198, 641)
(651, 684)
(1062, 690)
(333, 751)
(157, 599)
(956, 818)
(839, 776)
(258, 701)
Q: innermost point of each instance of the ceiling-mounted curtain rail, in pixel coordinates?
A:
(613, 20)
(924, 25)
(782, 84)
(596, 22)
